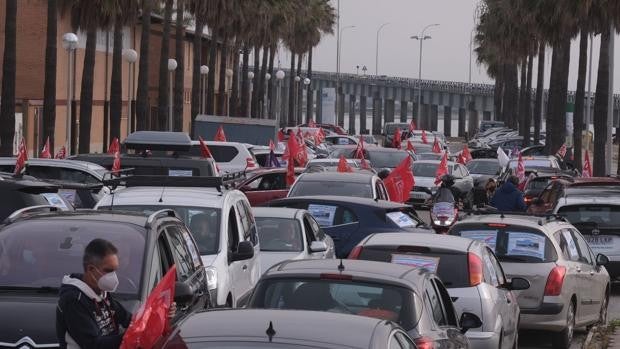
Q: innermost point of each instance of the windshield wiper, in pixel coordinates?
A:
(40, 289)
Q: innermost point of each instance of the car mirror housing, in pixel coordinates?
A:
(518, 284)
(244, 252)
(183, 294)
(469, 321)
(602, 260)
(318, 246)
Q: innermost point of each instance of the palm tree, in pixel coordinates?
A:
(179, 77)
(49, 89)
(164, 81)
(142, 98)
(221, 104)
(579, 99)
(7, 107)
(86, 92)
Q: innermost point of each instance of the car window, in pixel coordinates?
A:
(233, 231)
(319, 234)
(271, 181)
(221, 153)
(337, 188)
(155, 273)
(332, 215)
(434, 305)
(501, 277)
(252, 234)
(584, 250)
(243, 218)
(280, 234)
(464, 170)
(446, 303)
(490, 274)
(182, 256)
(568, 247)
(310, 236)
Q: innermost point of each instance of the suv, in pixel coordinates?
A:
(41, 245)
(360, 184)
(563, 188)
(229, 156)
(220, 221)
(569, 286)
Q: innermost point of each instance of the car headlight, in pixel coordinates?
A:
(211, 278)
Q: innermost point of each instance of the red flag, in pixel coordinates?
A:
(343, 165)
(412, 125)
(62, 153)
(281, 136)
(424, 139)
(436, 147)
(410, 147)
(397, 139)
(272, 145)
(300, 135)
(45, 152)
(520, 169)
(290, 172)
(295, 152)
(359, 150)
(442, 170)
(22, 158)
(400, 181)
(204, 150)
(311, 123)
(364, 165)
(151, 322)
(562, 151)
(466, 154)
(116, 165)
(320, 136)
(587, 168)
(114, 147)
(220, 136)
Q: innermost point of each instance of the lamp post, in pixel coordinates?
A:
(307, 82)
(265, 95)
(279, 77)
(229, 76)
(421, 39)
(377, 48)
(204, 72)
(296, 99)
(172, 66)
(69, 43)
(131, 56)
(250, 101)
(338, 67)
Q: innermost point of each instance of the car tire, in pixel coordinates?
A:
(602, 319)
(562, 340)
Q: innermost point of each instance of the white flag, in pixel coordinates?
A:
(502, 157)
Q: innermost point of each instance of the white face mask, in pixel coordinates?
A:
(108, 282)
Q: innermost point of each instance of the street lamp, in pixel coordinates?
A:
(279, 77)
(229, 76)
(250, 101)
(307, 82)
(377, 48)
(265, 95)
(421, 39)
(131, 56)
(69, 43)
(172, 66)
(204, 71)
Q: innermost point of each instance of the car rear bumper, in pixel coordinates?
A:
(548, 317)
(482, 340)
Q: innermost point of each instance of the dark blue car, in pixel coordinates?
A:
(348, 220)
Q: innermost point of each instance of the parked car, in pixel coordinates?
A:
(261, 154)
(341, 140)
(286, 233)
(230, 156)
(535, 185)
(488, 124)
(425, 173)
(220, 220)
(469, 270)
(368, 139)
(59, 170)
(331, 164)
(563, 188)
(359, 184)
(330, 128)
(39, 248)
(389, 129)
(481, 171)
(264, 185)
(261, 328)
(547, 164)
(414, 298)
(569, 286)
(348, 219)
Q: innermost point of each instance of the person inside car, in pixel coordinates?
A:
(206, 237)
(508, 198)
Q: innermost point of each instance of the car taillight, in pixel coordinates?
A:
(475, 269)
(555, 281)
(424, 343)
(334, 276)
(356, 252)
(528, 200)
(250, 163)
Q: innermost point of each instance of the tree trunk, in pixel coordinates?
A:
(600, 107)
(540, 89)
(196, 76)
(528, 102)
(164, 80)
(522, 92)
(270, 99)
(7, 107)
(234, 98)
(49, 90)
(86, 91)
(179, 73)
(261, 83)
(580, 96)
(558, 93)
(511, 95)
(309, 95)
(254, 83)
(142, 96)
(116, 83)
(212, 71)
(222, 105)
(245, 86)
(291, 93)
(300, 86)
(498, 94)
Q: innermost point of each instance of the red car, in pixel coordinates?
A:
(264, 185)
(330, 127)
(561, 188)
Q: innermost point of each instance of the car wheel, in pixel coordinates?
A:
(602, 319)
(562, 340)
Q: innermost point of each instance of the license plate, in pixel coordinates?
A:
(599, 240)
(420, 196)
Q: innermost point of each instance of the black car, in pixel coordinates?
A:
(389, 129)
(348, 220)
(38, 248)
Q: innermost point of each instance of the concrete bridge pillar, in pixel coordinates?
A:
(319, 106)
(473, 122)
(486, 115)
(363, 100)
(403, 110)
(447, 120)
(377, 114)
(389, 110)
(434, 117)
(462, 117)
(425, 118)
(352, 114)
(340, 116)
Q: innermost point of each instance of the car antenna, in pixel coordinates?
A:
(161, 196)
(270, 331)
(341, 266)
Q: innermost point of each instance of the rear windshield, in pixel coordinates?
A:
(511, 243)
(450, 266)
(13, 200)
(221, 153)
(381, 301)
(538, 184)
(310, 188)
(391, 128)
(384, 159)
(533, 163)
(603, 216)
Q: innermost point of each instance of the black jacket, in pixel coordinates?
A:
(508, 199)
(85, 319)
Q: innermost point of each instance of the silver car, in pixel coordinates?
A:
(569, 286)
(469, 270)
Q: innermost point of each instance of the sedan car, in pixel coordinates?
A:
(414, 298)
(341, 140)
(425, 173)
(481, 171)
(569, 286)
(286, 233)
(348, 220)
(469, 270)
(265, 185)
(362, 185)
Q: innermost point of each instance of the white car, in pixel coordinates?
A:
(229, 156)
(59, 170)
(287, 233)
(222, 224)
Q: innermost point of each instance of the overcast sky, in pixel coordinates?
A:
(446, 55)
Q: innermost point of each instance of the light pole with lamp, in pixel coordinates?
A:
(279, 77)
(172, 66)
(265, 95)
(250, 101)
(229, 76)
(307, 82)
(338, 69)
(69, 43)
(296, 100)
(204, 72)
(421, 39)
(377, 48)
(131, 56)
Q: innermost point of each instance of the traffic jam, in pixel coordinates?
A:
(312, 239)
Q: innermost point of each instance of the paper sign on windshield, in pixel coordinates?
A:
(526, 244)
(323, 214)
(55, 200)
(489, 237)
(415, 261)
(401, 219)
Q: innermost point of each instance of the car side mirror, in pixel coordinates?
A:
(518, 284)
(245, 251)
(183, 294)
(318, 246)
(601, 260)
(469, 321)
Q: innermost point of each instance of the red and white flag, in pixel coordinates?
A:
(45, 152)
(410, 147)
(319, 136)
(343, 165)
(400, 181)
(521, 169)
(220, 136)
(442, 170)
(412, 125)
(22, 158)
(424, 139)
(116, 165)
(281, 136)
(466, 154)
(436, 147)
(359, 150)
(62, 153)
(114, 147)
(587, 167)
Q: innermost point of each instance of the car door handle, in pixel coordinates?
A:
(591, 272)
(578, 269)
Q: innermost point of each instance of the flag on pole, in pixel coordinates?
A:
(466, 154)
(116, 165)
(220, 136)
(410, 147)
(45, 152)
(436, 147)
(412, 126)
(281, 136)
(364, 165)
(587, 168)
(521, 170)
(343, 165)
(442, 169)
(114, 146)
(204, 150)
(397, 138)
(311, 123)
(359, 150)
(424, 139)
(502, 157)
(400, 181)
(272, 145)
(22, 158)
(62, 153)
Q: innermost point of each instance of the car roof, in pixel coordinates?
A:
(232, 144)
(349, 177)
(276, 212)
(593, 200)
(111, 217)
(592, 181)
(345, 199)
(289, 326)
(434, 162)
(430, 240)
(483, 160)
(383, 150)
(529, 221)
(67, 163)
(166, 196)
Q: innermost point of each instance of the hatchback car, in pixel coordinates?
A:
(229, 156)
(38, 248)
(563, 188)
(569, 286)
(537, 184)
(469, 270)
(425, 174)
(264, 185)
(286, 233)
(414, 298)
(363, 185)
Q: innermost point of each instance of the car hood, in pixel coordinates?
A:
(269, 259)
(425, 182)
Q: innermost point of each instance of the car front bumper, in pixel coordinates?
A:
(483, 340)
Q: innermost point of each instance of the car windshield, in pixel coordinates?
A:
(604, 216)
(340, 188)
(203, 223)
(538, 184)
(532, 164)
(377, 300)
(483, 167)
(279, 234)
(425, 169)
(386, 159)
(38, 253)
